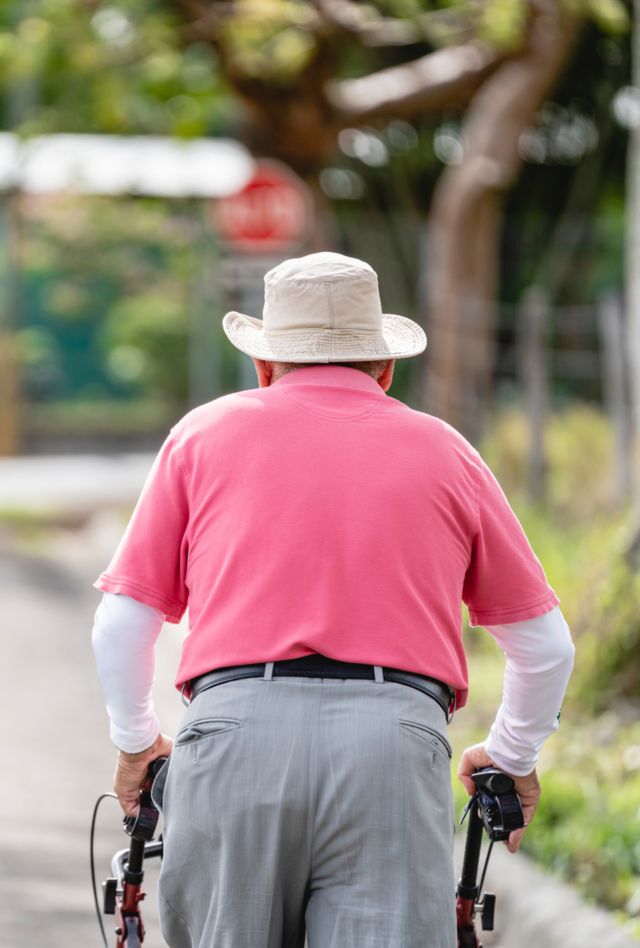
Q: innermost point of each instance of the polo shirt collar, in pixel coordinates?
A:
(331, 376)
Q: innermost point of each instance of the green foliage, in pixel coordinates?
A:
(610, 15)
(270, 39)
(117, 67)
(606, 265)
(107, 290)
(502, 22)
(610, 640)
(102, 417)
(146, 338)
(586, 827)
(579, 450)
(127, 66)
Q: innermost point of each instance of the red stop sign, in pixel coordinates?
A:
(273, 211)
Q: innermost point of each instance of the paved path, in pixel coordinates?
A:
(57, 759)
(72, 483)
(55, 749)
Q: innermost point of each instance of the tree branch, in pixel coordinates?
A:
(366, 23)
(447, 77)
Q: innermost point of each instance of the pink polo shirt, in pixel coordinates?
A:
(322, 515)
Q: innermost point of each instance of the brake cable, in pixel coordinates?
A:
(484, 868)
(92, 863)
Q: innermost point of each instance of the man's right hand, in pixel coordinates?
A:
(528, 788)
(132, 773)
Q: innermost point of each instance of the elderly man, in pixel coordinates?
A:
(323, 535)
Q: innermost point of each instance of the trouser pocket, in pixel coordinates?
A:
(437, 741)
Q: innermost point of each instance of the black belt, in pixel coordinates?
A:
(319, 666)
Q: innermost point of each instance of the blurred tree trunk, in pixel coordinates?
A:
(633, 291)
(466, 218)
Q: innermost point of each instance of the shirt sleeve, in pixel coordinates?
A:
(504, 581)
(150, 561)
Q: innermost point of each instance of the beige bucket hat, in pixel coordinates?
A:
(324, 307)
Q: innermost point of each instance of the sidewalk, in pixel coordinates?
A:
(71, 484)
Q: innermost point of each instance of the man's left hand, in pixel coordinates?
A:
(527, 788)
(131, 773)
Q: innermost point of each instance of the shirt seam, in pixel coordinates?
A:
(319, 414)
(186, 481)
(112, 577)
(477, 499)
(181, 463)
(506, 611)
(476, 507)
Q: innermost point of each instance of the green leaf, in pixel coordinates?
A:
(610, 15)
(503, 22)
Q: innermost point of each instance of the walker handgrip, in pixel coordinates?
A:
(143, 825)
(499, 805)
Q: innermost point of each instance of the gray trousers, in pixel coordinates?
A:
(308, 804)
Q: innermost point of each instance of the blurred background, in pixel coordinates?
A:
(156, 158)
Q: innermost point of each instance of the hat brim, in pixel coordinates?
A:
(400, 338)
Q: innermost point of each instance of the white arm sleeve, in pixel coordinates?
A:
(124, 637)
(539, 655)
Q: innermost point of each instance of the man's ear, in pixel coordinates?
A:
(386, 378)
(264, 371)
